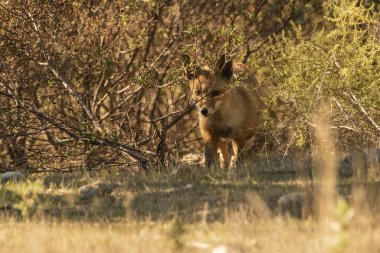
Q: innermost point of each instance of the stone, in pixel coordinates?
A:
(14, 176)
(96, 189)
(297, 204)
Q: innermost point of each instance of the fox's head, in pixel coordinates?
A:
(211, 87)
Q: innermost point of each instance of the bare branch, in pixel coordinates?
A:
(133, 152)
(66, 84)
(361, 109)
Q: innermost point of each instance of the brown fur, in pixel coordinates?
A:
(233, 113)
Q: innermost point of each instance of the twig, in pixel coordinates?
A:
(361, 109)
(335, 127)
(66, 84)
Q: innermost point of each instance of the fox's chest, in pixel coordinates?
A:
(225, 132)
(217, 128)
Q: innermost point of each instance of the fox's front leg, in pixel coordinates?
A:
(238, 146)
(211, 152)
(223, 146)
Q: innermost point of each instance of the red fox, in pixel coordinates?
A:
(227, 111)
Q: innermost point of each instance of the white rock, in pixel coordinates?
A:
(188, 186)
(220, 249)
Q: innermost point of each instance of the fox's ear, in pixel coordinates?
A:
(188, 66)
(225, 66)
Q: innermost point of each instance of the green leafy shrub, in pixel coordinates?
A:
(338, 65)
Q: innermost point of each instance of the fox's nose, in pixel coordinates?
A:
(204, 111)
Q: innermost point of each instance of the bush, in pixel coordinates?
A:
(338, 65)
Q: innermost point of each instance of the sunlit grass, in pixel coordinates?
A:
(236, 234)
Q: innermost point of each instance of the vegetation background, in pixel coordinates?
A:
(97, 88)
(101, 83)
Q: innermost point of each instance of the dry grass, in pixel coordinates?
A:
(236, 234)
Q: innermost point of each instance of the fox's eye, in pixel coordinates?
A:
(215, 93)
(198, 93)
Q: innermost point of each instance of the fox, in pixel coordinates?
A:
(228, 113)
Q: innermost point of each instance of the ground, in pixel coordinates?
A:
(189, 209)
